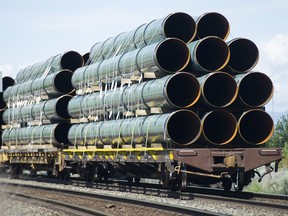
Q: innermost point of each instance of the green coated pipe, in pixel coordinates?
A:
(53, 85)
(168, 56)
(255, 127)
(255, 89)
(70, 60)
(208, 55)
(179, 90)
(219, 127)
(212, 24)
(53, 110)
(218, 89)
(181, 127)
(54, 134)
(244, 56)
(175, 25)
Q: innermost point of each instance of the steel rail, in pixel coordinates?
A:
(159, 206)
(58, 204)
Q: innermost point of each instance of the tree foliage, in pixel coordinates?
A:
(280, 137)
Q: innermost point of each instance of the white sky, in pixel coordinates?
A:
(32, 31)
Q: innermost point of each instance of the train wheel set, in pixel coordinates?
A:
(171, 100)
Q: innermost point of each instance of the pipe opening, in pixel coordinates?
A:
(86, 58)
(181, 26)
(62, 82)
(244, 55)
(256, 127)
(255, 89)
(212, 54)
(183, 127)
(183, 90)
(212, 24)
(61, 133)
(219, 127)
(62, 107)
(172, 55)
(71, 60)
(219, 90)
(7, 82)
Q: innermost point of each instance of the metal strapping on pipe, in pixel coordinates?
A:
(207, 55)
(219, 127)
(255, 89)
(181, 127)
(52, 85)
(70, 60)
(168, 56)
(54, 134)
(53, 110)
(212, 24)
(175, 25)
(255, 127)
(244, 56)
(179, 90)
(218, 89)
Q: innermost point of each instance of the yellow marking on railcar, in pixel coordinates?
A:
(114, 150)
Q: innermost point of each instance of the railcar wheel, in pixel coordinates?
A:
(240, 180)
(227, 184)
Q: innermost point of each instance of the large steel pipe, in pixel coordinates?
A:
(255, 89)
(207, 55)
(6, 82)
(218, 89)
(255, 127)
(212, 24)
(181, 127)
(179, 90)
(54, 134)
(244, 56)
(52, 85)
(168, 56)
(219, 127)
(176, 25)
(52, 110)
(70, 60)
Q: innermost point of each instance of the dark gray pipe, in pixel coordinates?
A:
(70, 60)
(218, 89)
(179, 90)
(212, 24)
(219, 127)
(6, 82)
(181, 127)
(255, 89)
(207, 55)
(175, 25)
(255, 127)
(52, 85)
(244, 56)
(52, 110)
(168, 56)
(54, 134)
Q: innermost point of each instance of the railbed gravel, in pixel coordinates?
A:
(202, 204)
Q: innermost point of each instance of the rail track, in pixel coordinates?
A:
(96, 204)
(277, 203)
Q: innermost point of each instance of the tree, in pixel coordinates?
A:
(280, 137)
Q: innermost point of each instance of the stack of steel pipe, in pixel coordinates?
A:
(174, 81)
(40, 96)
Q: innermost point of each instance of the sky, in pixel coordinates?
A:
(33, 30)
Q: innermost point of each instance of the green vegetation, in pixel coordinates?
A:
(280, 139)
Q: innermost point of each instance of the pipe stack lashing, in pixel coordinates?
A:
(174, 81)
